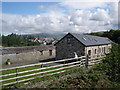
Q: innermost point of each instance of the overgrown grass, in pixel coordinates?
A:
(27, 73)
(68, 71)
(77, 77)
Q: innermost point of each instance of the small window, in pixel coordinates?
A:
(89, 52)
(104, 49)
(50, 52)
(95, 51)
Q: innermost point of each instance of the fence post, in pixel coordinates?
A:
(80, 62)
(41, 70)
(16, 75)
(86, 62)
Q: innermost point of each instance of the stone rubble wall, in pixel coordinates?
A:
(29, 56)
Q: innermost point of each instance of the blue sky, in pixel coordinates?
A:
(58, 17)
(24, 7)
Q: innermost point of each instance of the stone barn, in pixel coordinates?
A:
(76, 45)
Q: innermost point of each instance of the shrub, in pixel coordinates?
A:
(8, 62)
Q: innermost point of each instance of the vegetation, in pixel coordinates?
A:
(8, 62)
(45, 35)
(111, 64)
(23, 40)
(17, 40)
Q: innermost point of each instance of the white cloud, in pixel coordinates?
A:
(73, 20)
(100, 15)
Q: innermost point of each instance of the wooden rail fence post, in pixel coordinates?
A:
(86, 62)
(41, 66)
(79, 62)
(16, 75)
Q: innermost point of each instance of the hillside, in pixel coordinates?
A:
(45, 35)
(22, 40)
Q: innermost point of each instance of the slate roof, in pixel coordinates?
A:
(89, 40)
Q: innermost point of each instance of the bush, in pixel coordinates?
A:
(8, 62)
(111, 64)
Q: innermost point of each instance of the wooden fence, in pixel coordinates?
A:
(59, 67)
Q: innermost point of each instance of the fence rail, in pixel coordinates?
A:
(43, 71)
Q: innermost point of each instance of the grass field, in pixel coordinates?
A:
(38, 79)
(27, 73)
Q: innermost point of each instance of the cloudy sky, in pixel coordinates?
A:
(76, 16)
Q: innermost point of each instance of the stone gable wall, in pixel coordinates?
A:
(64, 49)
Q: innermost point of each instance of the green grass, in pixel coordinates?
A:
(42, 78)
(27, 73)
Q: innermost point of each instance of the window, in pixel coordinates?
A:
(95, 51)
(89, 52)
(104, 49)
(50, 52)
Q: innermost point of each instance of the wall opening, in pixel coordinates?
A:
(95, 51)
(41, 52)
(104, 49)
(89, 52)
(50, 52)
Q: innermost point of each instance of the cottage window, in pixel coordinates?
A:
(95, 51)
(104, 49)
(50, 52)
(89, 52)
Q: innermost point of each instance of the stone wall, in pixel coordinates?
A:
(68, 46)
(29, 56)
(97, 51)
(67, 49)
